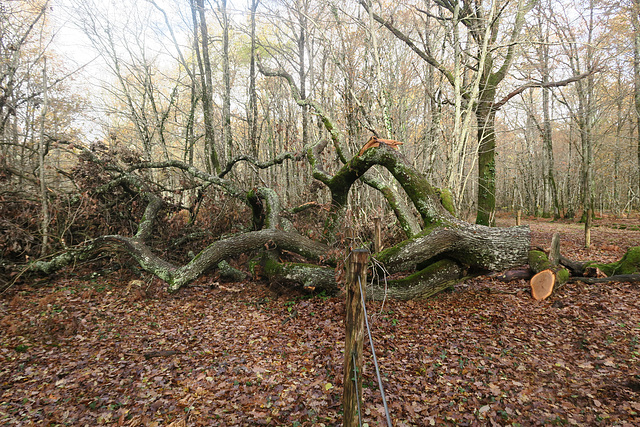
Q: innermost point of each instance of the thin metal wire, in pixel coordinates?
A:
(373, 352)
(355, 379)
(379, 266)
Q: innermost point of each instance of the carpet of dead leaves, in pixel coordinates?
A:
(104, 350)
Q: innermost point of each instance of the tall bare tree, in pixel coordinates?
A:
(635, 19)
(485, 22)
(201, 48)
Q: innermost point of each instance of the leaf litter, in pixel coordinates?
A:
(100, 352)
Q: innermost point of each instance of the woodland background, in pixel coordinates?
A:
(180, 81)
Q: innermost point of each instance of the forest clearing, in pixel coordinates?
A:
(86, 349)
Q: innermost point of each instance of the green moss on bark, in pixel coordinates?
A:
(390, 253)
(446, 198)
(538, 261)
(423, 284)
(629, 264)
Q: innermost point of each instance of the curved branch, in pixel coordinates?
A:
(208, 258)
(261, 165)
(306, 102)
(145, 228)
(422, 284)
(530, 85)
(227, 185)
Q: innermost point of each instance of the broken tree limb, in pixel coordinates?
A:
(554, 252)
(631, 278)
(576, 267)
(509, 275)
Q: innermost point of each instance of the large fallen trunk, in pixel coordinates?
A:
(443, 235)
(477, 246)
(441, 252)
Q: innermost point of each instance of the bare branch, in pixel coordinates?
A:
(530, 85)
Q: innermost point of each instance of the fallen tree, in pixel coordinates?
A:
(439, 249)
(434, 258)
(443, 252)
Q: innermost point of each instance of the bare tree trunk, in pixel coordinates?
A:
(381, 94)
(585, 113)
(201, 47)
(635, 18)
(551, 195)
(547, 144)
(252, 111)
(302, 75)
(42, 165)
(227, 135)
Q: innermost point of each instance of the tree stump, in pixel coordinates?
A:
(542, 284)
(548, 276)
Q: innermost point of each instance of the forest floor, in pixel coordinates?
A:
(84, 350)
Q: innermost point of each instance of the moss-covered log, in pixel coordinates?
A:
(310, 276)
(422, 284)
(208, 258)
(628, 264)
(474, 245)
(538, 261)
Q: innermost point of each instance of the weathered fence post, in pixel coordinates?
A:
(354, 336)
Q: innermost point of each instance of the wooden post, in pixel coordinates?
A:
(350, 237)
(587, 230)
(354, 336)
(554, 252)
(518, 216)
(377, 234)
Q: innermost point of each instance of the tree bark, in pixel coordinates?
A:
(227, 136)
(201, 47)
(44, 196)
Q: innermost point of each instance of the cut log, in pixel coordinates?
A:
(542, 284)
